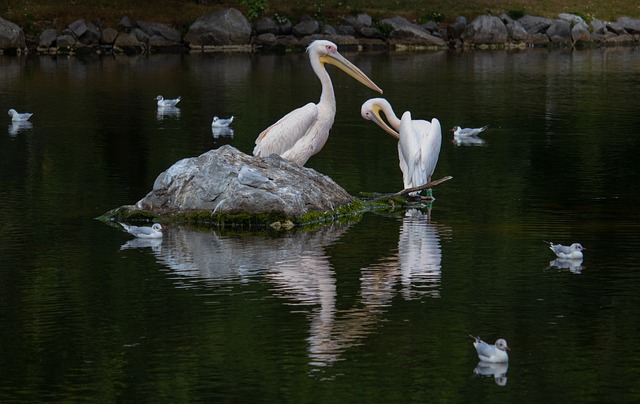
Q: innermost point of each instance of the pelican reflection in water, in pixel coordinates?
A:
(300, 271)
(304, 131)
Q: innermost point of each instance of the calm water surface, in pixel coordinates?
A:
(378, 310)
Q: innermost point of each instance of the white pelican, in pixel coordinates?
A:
(467, 132)
(221, 123)
(419, 141)
(491, 353)
(303, 132)
(18, 117)
(574, 251)
(167, 103)
(154, 231)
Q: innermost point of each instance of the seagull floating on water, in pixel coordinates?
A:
(220, 122)
(167, 103)
(491, 353)
(572, 252)
(18, 117)
(154, 231)
(467, 132)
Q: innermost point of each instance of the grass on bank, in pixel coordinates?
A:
(34, 16)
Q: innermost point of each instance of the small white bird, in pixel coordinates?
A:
(154, 231)
(18, 117)
(167, 103)
(572, 252)
(491, 353)
(221, 123)
(467, 132)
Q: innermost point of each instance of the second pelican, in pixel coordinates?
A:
(419, 141)
(303, 132)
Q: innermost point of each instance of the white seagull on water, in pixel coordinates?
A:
(154, 231)
(18, 117)
(491, 353)
(572, 252)
(467, 132)
(220, 122)
(167, 103)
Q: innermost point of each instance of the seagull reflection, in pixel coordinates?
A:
(19, 126)
(224, 131)
(468, 141)
(167, 112)
(573, 265)
(154, 243)
(497, 370)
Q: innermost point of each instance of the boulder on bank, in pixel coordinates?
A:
(11, 36)
(487, 30)
(226, 181)
(221, 28)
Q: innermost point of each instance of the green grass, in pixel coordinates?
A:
(36, 15)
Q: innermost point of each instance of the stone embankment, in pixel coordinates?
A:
(229, 30)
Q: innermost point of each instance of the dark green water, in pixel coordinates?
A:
(374, 311)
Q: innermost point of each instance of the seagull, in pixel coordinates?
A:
(572, 252)
(154, 231)
(221, 123)
(467, 132)
(491, 353)
(166, 103)
(18, 117)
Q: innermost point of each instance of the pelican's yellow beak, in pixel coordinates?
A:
(381, 123)
(343, 64)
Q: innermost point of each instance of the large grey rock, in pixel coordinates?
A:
(631, 25)
(515, 30)
(79, 27)
(306, 27)
(226, 27)
(11, 36)
(457, 27)
(152, 28)
(580, 33)
(47, 38)
(66, 41)
(127, 43)
(109, 36)
(228, 181)
(406, 32)
(572, 19)
(485, 29)
(535, 25)
(559, 32)
(266, 25)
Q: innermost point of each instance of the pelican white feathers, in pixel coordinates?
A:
(19, 117)
(167, 103)
(491, 353)
(572, 252)
(304, 131)
(220, 122)
(154, 231)
(419, 141)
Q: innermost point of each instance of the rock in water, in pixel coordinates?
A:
(211, 183)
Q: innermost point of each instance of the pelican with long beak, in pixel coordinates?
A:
(304, 131)
(419, 141)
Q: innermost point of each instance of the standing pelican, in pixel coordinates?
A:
(419, 141)
(303, 132)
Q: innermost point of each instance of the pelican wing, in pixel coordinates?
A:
(408, 149)
(283, 135)
(430, 148)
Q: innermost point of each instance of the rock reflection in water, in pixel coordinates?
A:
(300, 271)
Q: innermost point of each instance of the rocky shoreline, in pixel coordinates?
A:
(230, 30)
